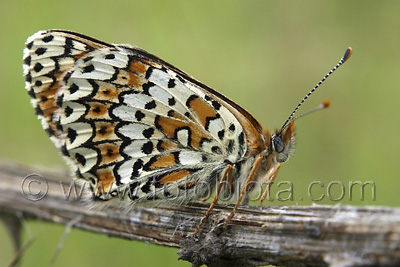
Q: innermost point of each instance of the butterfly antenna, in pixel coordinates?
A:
(346, 56)
(323, 105)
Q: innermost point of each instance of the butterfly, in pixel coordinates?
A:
(124, 119)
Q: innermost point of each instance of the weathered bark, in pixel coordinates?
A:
(291, 236)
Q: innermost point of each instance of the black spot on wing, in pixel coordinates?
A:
(64, 151)
(216, 150)
(32, 93)
(147, 148)
(88, 68)
(241, 138)
(149, 72)
(110, 56)
(146, 187)
(146, 88)
(103, 130)
(216, 105)
(136, 168)
(68, 111)
(96, 110)
(28, 78)
(148, 132)
(71, 134)
(68, 46)
(171, 101)
(181, 79)
(38, 67)
(27, 60)
(40, 51)
(86, 59)
(110, 152)
(81, 159)
(221, 134)
(139, 115)
(171, 83)
(150, 105)
(29, 46)
(48, 38)
(73, 88)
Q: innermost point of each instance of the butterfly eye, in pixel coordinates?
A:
(279, 145)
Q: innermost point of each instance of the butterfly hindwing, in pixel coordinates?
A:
(121, 117)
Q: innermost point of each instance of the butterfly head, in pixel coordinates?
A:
(283, 143)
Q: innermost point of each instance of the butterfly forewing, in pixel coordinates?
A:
(121, 116)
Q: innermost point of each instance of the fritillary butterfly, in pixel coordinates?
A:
(123, 118)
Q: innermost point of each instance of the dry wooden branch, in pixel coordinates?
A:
(291, 236)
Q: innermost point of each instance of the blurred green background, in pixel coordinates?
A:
(264, 55)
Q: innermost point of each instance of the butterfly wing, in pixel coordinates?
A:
(121, 116)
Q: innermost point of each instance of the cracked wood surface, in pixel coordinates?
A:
(279, 235)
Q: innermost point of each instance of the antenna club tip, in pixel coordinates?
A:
(326, 103)
(347, 54)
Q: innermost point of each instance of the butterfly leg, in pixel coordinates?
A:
(253, 173)
(270, 180)
(228, 187)
(227, 173)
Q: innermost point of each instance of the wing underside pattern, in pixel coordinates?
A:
(121, 118)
